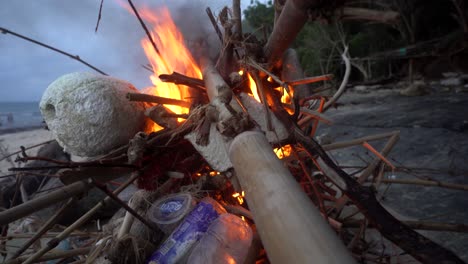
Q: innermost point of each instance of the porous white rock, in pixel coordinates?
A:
(89, 114)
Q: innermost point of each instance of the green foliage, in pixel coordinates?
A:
(319, 46)
(259, 15)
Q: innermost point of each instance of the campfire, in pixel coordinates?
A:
(223, 152)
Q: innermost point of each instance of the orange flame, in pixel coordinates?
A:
(253, 87)
(172, 56)
(283, 152)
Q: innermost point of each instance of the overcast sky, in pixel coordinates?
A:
(27, 69)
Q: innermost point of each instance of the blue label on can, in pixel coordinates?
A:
(185, 235)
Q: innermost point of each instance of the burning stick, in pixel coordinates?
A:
(156, 99)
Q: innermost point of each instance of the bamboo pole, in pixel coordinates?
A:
(82, 220)
(291, 228)
(42, 202)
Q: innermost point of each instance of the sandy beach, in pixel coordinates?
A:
(11, 142)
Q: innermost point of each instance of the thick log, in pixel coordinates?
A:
(291, 228)
(294, 15)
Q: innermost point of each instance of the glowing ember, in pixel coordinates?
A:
(283, 152)
(173, 56)
(239, 196)
(253, 87)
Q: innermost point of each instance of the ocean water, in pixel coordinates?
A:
(16, 116)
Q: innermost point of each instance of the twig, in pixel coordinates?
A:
(19, 151)
(99, 16)
(314, 79)
(420, 247)
(215, 25)
(48, 225)
(427, 183)
(421, 225)
(114, 197)
(236, 17)
(75, 57)
(342, 87)
(82, 220)
(156, 99)
(53, 255)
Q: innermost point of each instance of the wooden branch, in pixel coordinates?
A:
(422, 225)
(148, 34)
(215, 25)
(82, 220)
(355, 13)
(236, 17)
(19, 151)
(127, 208)
(75, 57)
(62, 254)
(294, 15)
(290, 22)
(369, 170)
(418, 246)
(308, 80)
(342, 88)
(358, 141)
(42, 202)
(427, 183)
(178, 78)
(139, 97)
(45, 227)
(99, 16)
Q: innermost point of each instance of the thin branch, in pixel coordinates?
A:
(215, 25)
(99, 17)
(308, 80)
(178, 78)
(147, 31)
(75, 57)
(19, 151)
(139, 97)
(342, 88)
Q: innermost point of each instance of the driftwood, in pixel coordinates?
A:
(354, 13)
(271, 190)
(412, 242)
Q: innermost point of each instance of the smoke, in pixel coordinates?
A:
(27, 69)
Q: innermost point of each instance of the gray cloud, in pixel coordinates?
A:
(27, 69)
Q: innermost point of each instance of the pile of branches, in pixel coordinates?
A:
(166, 162)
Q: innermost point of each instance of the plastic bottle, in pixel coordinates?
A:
(226, 241)
(189, 231)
